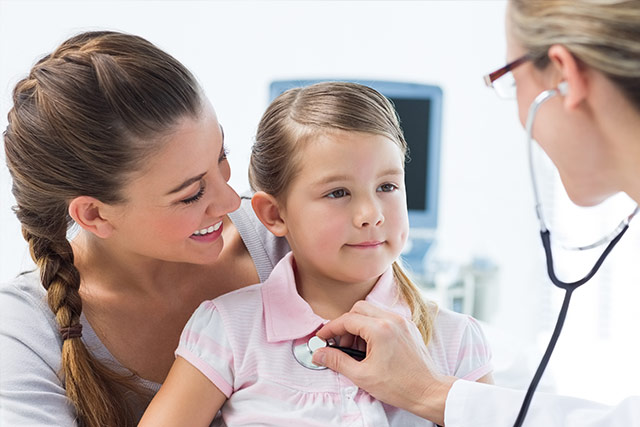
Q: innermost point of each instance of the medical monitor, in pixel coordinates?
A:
(419, 108)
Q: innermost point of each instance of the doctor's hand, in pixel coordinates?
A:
(397, 369)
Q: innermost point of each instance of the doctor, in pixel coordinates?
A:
(590, 128)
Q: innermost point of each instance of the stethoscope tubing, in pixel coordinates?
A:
(545, 235)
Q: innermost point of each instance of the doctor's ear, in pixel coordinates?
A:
(269, 212)
(574, 80)
(88, 213)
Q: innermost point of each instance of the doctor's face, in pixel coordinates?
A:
(567, 136)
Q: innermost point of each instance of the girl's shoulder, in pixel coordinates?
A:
(459, 346)
(232, 311)
(449, 321)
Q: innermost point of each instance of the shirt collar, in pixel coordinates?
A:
(288, 316)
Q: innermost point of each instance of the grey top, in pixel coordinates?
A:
(31, 390)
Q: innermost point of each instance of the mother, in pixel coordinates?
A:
(112, 134)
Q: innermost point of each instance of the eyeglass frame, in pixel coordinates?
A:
(492, 77)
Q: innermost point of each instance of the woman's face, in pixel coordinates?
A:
(175, 206)
(568, 136)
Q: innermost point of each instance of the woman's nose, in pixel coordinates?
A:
(223, 200)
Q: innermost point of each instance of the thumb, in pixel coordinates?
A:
(336, 361)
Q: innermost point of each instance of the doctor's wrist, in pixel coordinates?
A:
(431, 400)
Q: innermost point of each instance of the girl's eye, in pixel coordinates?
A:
(336, 194)
(386, 188)
(195, 197)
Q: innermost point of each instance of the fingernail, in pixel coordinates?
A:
(318, 358)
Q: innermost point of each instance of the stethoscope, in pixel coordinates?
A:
(610, 239)
(303, 350)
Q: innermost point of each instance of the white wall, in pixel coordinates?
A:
(236, 48)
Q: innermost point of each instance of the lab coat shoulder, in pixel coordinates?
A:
(470, 403)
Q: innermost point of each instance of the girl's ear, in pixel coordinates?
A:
(268, 211)
(87, 213)
(572, 74)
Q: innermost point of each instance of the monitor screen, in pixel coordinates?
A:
(419, 108)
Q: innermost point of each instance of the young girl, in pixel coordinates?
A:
(328, 171)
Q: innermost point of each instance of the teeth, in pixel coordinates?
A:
(208, 230)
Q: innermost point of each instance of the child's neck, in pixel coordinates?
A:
(329, 298)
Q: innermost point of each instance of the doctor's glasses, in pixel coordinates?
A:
(502, 80)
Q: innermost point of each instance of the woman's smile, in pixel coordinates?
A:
(208, 234)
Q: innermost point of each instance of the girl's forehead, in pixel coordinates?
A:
(344, 149)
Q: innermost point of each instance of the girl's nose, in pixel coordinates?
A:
(368, 213)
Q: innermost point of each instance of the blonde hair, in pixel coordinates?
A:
(298, 115)
(82, 121)
(603, 34)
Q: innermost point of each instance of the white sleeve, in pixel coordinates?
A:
(31, 390)
(475, 404)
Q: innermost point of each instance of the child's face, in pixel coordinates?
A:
(346, 210)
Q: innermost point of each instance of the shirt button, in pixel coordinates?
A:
(350, 392)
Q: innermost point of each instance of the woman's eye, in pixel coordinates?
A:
(223, 154)
(195, 197)
(387, 188)
(336, 194)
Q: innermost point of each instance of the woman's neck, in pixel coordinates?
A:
(619, 122)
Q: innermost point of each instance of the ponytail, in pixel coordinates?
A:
(422, 313)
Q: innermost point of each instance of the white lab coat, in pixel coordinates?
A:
(471, 404)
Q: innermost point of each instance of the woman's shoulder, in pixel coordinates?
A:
(24, 303)
(28, 324)
(30, 356)
(265, 249)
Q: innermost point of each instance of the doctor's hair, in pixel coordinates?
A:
(299, 115)
(603, 34)
(82, 122)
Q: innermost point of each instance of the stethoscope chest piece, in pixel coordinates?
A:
(303, 351)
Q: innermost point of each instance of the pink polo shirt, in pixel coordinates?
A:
(242, 341)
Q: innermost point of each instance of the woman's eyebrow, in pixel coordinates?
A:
(190, 181)
(187, 183)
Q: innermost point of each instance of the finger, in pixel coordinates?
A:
(336, 361)
(348, 323)
(367, 309)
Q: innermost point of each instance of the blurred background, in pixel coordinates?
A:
(485, 257)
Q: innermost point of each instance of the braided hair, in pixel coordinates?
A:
(82, 120)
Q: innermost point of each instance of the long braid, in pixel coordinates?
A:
(98, 394)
